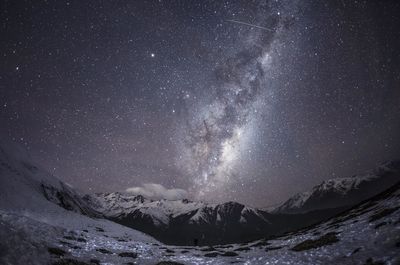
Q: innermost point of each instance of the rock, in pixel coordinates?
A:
(103, 250)
(273, 248)
(128, 254)
(261, 244)
(229, 254)
(169, 263)
(211, 254)
(99, 229)
(207, 249)
(69, 262)
(328, 239)
(382, 213)
(74, 238)
(56, 251)
(355, 251)
(380, 224)
(242, 249)
(370, 261)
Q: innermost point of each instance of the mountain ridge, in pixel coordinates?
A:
(343, 192)
(184, 222)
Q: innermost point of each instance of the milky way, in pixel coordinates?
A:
(217, 136)
(250, 101)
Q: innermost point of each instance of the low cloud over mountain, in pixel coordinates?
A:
(158, 191)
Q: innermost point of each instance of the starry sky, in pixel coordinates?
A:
(250, 101)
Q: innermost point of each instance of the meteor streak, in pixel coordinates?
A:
(251, 25)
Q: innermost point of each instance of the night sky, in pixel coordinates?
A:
(110, 95)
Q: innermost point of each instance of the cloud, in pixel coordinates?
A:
(158, 191)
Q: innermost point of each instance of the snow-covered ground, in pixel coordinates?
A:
(369, 231)
(34, 230)
(31, 221)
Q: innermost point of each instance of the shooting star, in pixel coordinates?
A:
(250, 25)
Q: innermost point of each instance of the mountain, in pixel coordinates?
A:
(343, 192)
(29, 185)
(182, 221)
(367, 233)
(45, 221)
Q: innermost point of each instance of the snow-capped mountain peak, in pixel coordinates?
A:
(192, 219)
(342, 192)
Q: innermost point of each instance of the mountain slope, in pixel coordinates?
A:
(368, 233)
(343, 192)
(24, 186)
(39, 213)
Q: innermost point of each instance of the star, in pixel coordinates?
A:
(261, 91)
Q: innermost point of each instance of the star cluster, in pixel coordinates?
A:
(229, 100)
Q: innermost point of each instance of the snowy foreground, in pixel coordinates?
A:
(35, 230)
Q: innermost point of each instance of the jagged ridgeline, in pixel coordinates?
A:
(184, 222)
